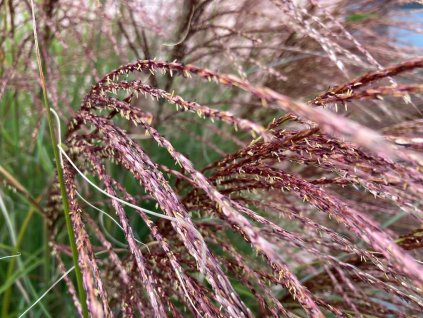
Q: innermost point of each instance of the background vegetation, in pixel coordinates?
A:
(290, 188)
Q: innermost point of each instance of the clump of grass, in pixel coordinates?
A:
(243, 193)
(292, 189)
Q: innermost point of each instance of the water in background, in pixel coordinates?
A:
(415, 15)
